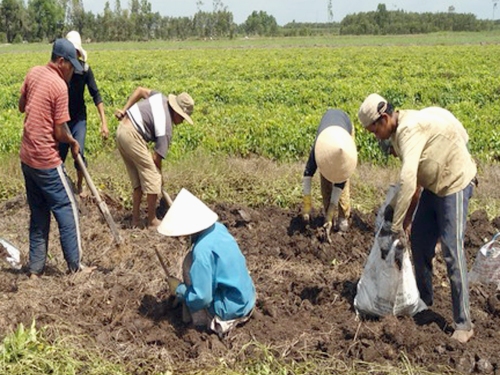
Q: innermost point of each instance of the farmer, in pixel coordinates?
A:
(143, 121)
(77, 108)
(435, 157)
(217, 290)
(334, 154)
(44, 100)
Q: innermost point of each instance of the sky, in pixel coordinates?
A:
(285, 11)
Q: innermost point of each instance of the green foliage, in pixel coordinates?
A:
(385, 22)
(27, 352)
(269, 101)
(22, 343)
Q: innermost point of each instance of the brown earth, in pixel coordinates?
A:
(305, 291)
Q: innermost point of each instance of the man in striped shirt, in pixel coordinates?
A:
(44, 101)
(142, 122)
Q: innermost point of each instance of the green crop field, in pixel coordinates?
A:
(267, 99)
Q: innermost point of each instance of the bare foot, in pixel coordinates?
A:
(83, 194)
(87, 269)
(461, 335)
(154, 223)
(34, 276)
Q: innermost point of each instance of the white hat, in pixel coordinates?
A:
(336, 154)
(187, 215)
(74, 37)
(371, 109)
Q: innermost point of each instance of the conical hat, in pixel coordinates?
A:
(187, 215)
(336, 154)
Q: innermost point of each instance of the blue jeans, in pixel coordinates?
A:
(78, 131)
(443, 218)
(48, 190)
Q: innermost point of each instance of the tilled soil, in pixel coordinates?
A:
(305, 287)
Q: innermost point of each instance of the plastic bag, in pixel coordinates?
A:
(486, 267)
(387, 285)
(10, 253)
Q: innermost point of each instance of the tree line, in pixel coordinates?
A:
(383, 22)
(45, 20)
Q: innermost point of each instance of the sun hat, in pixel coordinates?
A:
(183, 104)
(74, 37)
(64, 48)
(187, 215)
(371, 109)
(336, 154)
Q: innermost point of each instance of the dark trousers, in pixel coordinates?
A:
(443, 218)
(49, 191)
(78, 131)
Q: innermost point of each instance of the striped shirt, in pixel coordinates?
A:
(46, 97)
(151, 118)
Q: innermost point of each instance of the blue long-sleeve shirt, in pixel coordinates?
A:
(220, 280)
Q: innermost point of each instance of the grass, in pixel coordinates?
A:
(253, 182)
(26, 351)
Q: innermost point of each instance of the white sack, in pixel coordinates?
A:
(387, 285)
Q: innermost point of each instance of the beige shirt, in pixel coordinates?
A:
(448, 116)
(434, 155)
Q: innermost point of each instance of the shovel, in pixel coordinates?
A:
(102, 205)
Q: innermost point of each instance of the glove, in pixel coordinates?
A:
(173, 283)
(400, 236)
(307, 203)
(306, 207)
(328, 228)
(386, 241)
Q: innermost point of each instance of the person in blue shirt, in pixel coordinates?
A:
(217, 291)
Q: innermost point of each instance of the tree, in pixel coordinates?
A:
(381, 16)
(260, 23)
(11, 14)
(47, 19)
(76, 15)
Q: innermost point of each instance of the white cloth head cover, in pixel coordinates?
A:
(336, 154)
(186, 216)
(74, 37)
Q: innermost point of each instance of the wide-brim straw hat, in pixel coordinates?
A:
(74, 37)
(336, 154)
(186, 216)
(183, 104)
